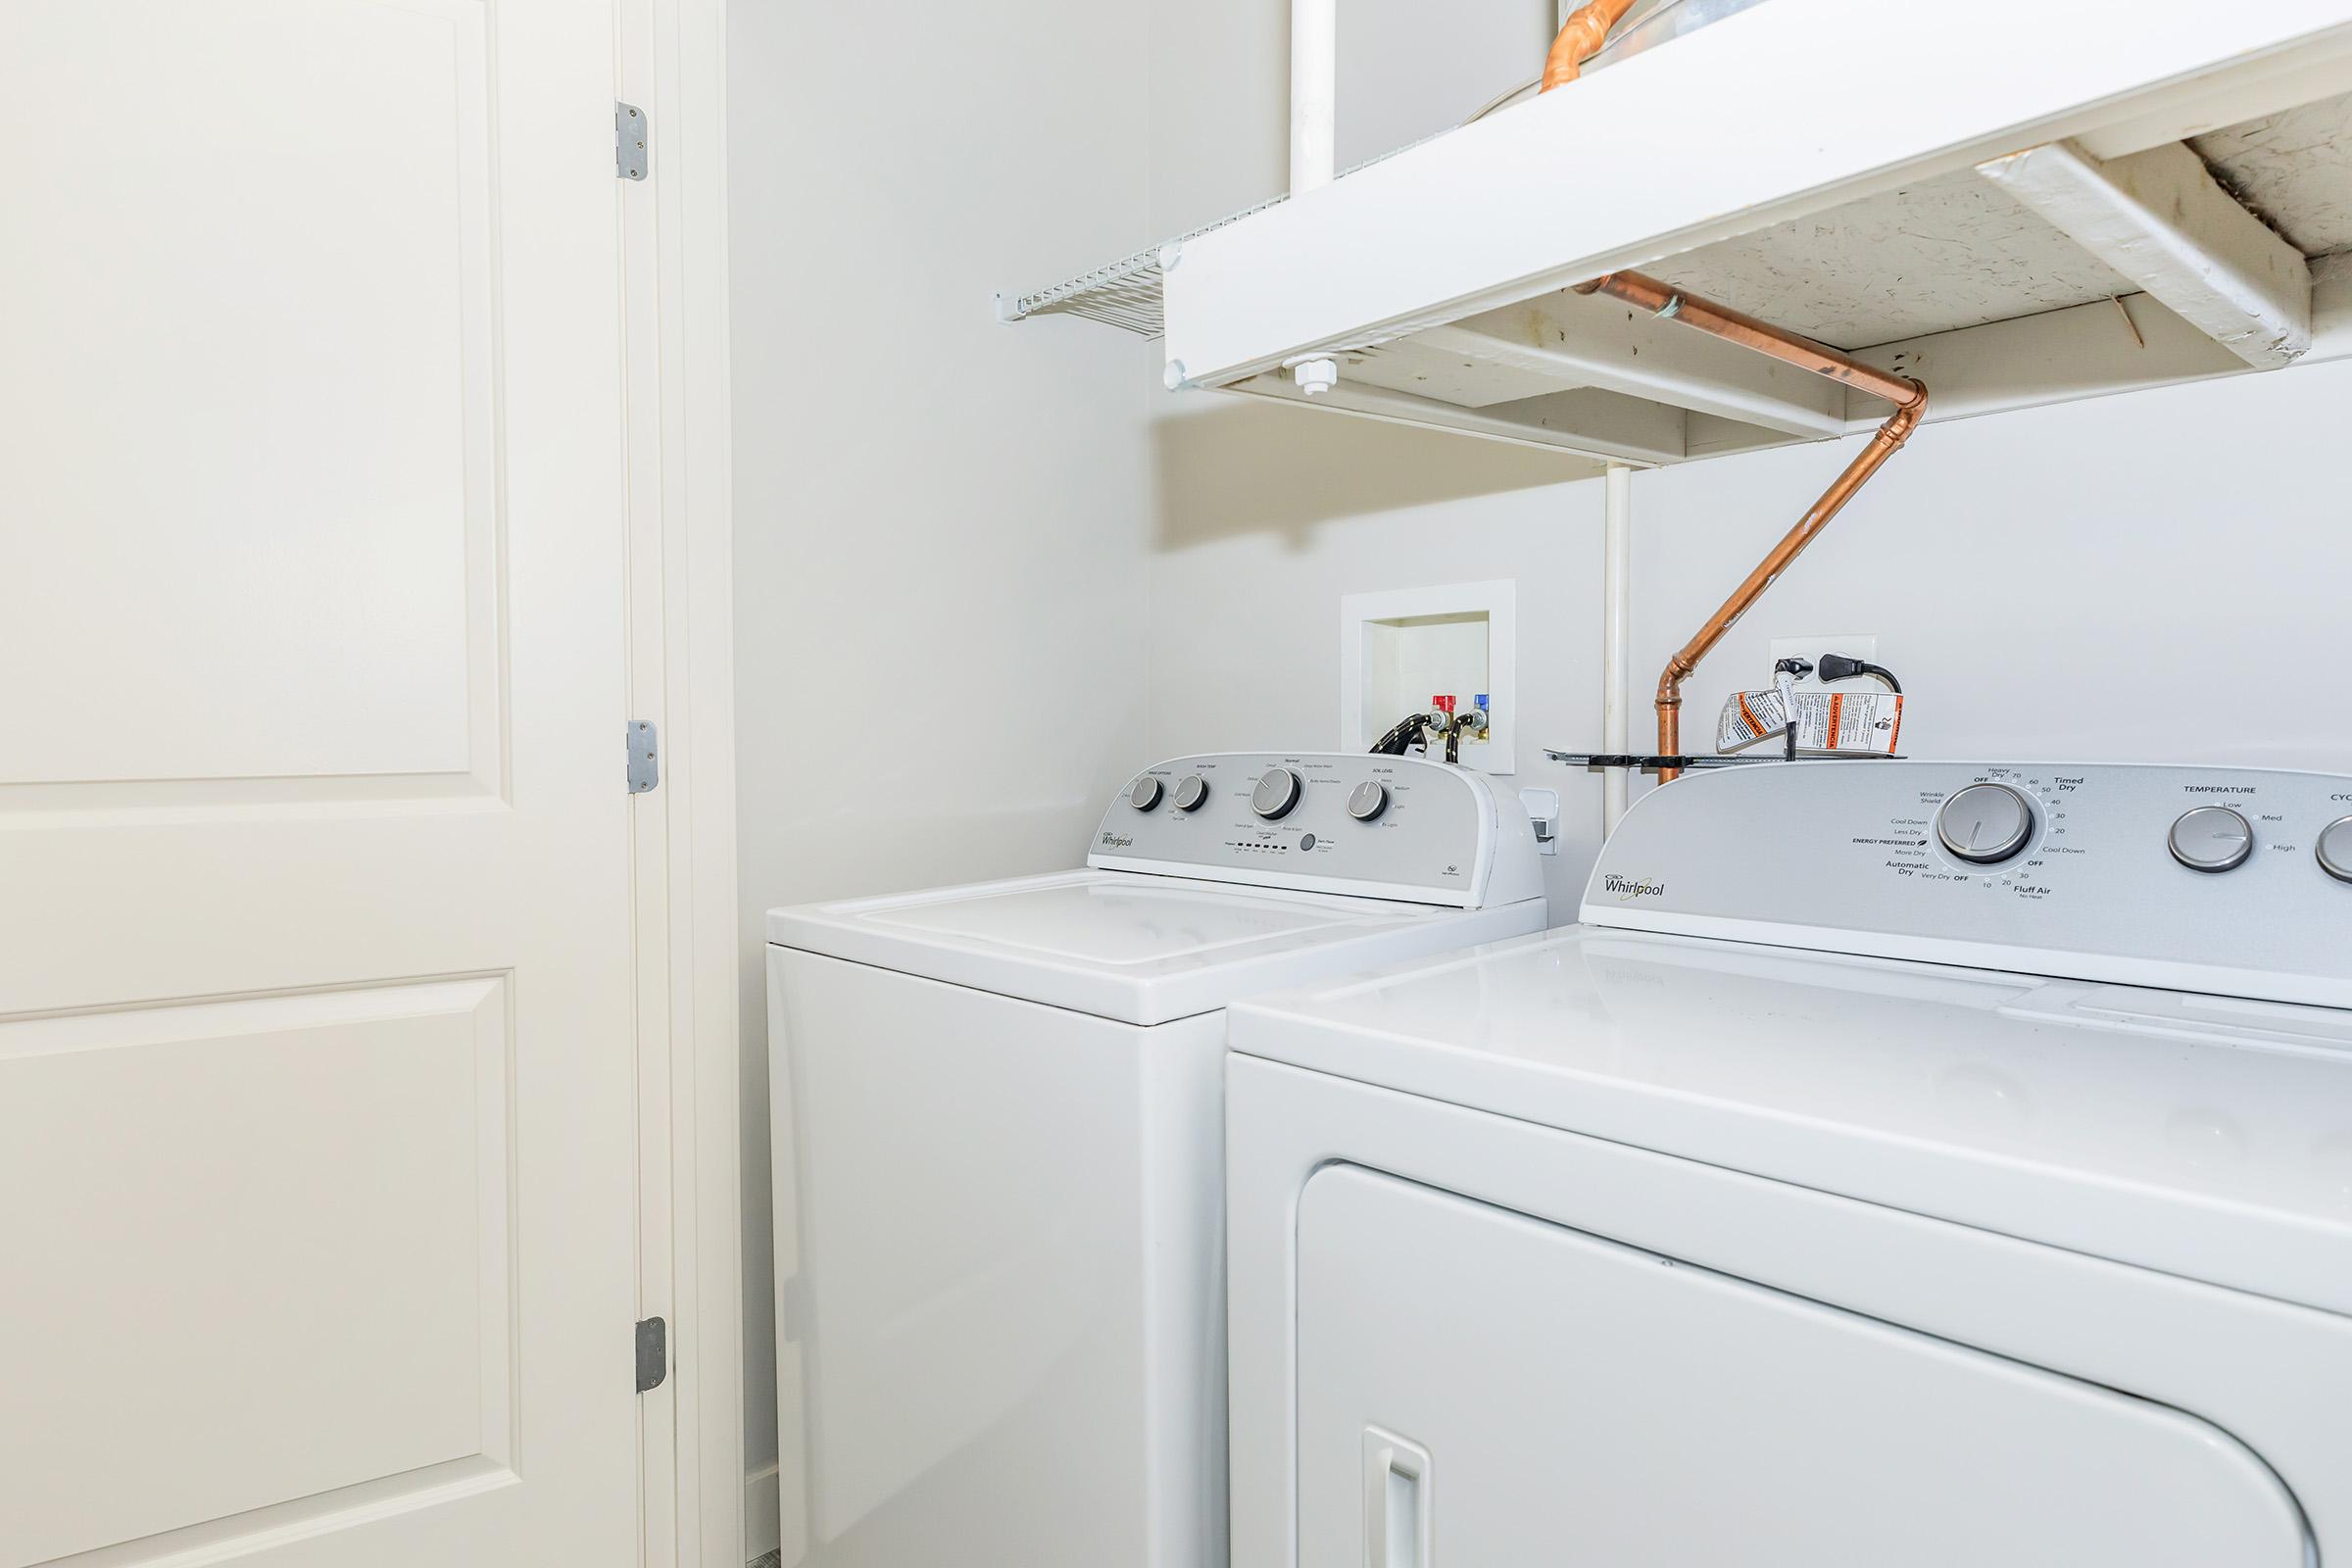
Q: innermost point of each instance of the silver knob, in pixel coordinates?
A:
(1985, 824)
(1144, 793)
(1192, 793)
(1276, 793)
(1367, 800)
(2335, 849)
(2212, 838)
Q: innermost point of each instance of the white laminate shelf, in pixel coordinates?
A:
(2098, 199)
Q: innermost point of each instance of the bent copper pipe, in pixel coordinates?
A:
(1580, 39)
(1910, 400)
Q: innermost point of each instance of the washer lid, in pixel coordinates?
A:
(2206, 1136)
(1119, 921)
(1137, 948)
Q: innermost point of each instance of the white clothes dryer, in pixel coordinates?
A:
(1901, 1163)
(999, 1159)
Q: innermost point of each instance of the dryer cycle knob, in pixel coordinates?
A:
(1277, 791)
(1192, 793)
(1985, 824)
(2212, 838)
(2335, 849)
(1145, 795)
(1367, 800)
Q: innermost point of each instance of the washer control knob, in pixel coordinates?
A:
(1144, 793)
(1367, 800)
(1192, 793)
(1276, 793)
(1985, 824)
(2212, 838)
(2335, 849)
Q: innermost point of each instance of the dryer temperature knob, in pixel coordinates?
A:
(2212, 838)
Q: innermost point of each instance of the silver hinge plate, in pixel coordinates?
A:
(644, 757)
(653, 1353)
(628, 140)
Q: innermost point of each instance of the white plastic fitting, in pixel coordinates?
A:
(1315, 376)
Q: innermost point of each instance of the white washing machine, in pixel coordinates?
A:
(1000, 1155)
(1902, 1162)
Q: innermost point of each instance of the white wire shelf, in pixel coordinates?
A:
(1126, 294)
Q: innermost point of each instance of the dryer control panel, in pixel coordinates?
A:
(2234, 880)
(1395, 827)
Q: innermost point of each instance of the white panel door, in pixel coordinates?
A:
(1477, 1388)
(315, 1065)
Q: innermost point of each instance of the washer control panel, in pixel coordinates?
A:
(1336, 821)
(2235, 879)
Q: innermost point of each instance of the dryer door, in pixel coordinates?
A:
(1478, 1388)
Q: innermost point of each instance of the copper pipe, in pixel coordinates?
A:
(1580, 39)
(1720, 320)
(1908, 396)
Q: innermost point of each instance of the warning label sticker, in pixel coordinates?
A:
(1826, 721)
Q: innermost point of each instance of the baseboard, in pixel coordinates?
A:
(761, 1542)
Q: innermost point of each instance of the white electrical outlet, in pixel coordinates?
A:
(1862, 645)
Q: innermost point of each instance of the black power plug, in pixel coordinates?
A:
(1836, 668)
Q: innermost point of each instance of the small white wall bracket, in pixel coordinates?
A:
(1543, 816)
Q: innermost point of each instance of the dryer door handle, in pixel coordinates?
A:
(1396, 1502)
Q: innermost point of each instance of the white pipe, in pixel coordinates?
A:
(1314, 94)
(1617, 588)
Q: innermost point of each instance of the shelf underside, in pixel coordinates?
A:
(1958, 251)
(1952, 280)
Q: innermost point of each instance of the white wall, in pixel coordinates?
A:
(940, 519)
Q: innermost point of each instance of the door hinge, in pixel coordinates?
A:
(644, 757)
(653, 1353)
(628, 140)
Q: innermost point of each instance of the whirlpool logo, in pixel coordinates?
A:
(1629, 888)
(1117, 841)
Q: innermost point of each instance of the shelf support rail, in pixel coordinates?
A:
(1314, 94)
(1616, 639)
